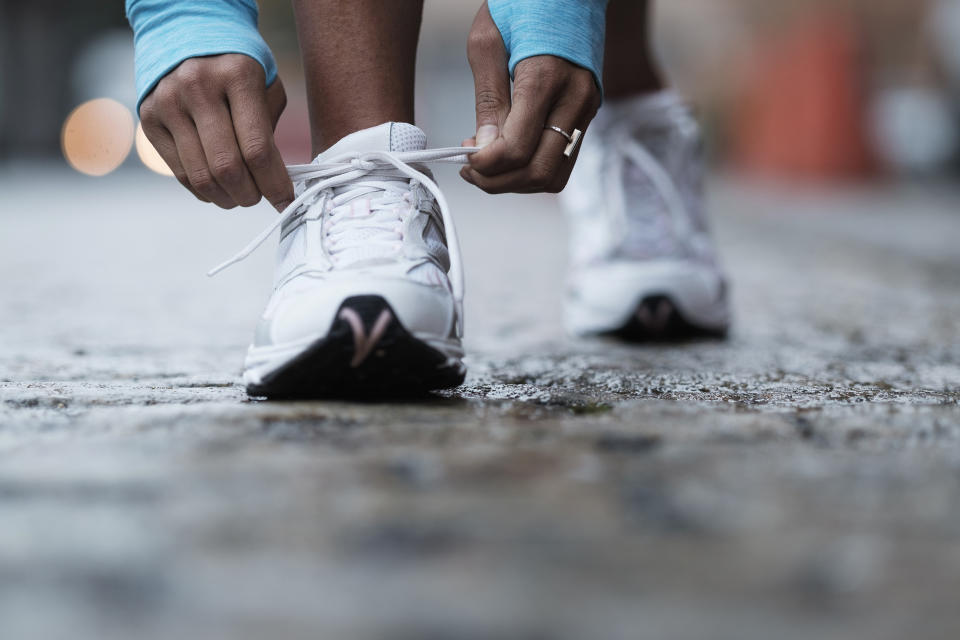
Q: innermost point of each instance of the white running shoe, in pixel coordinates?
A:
(643, 264)
(363, 302)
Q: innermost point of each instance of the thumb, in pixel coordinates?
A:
(491, 77)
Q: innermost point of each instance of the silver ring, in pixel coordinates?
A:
(572, 139)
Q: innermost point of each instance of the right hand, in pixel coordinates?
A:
(212, 120)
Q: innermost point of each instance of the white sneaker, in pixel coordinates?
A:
(643, 265)
(363, 301)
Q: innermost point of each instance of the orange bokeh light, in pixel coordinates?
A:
(97, 136)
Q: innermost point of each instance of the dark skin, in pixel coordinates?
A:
(212, 121)
(628, 66)
(212, 118)
(352, 87)
(522, 157)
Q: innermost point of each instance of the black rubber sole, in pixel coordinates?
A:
(657, 319)
(366, 354)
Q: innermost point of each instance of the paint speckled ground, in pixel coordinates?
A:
(801, 479)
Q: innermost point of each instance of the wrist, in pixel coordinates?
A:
(573, 30)
(221, 28)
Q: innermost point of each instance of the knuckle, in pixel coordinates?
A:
(165, 99)
(242, 82)
(235, 64)
(202, 182)
(190, 74)
(551, 76)
(241, 72)
(546, 74)
(150, 119)
(256, 154)
(227, 168)
(528, 86)
(488, 101)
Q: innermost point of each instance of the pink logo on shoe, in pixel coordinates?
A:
(362, 343)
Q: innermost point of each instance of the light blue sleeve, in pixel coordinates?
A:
(167, 32)
(574, 30)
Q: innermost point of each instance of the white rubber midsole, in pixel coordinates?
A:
(603, 298)
(262, 361)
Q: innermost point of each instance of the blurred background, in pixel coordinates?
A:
(807, 90)
(796, 481)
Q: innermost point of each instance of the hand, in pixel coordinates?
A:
(518, 154)
(212, 121)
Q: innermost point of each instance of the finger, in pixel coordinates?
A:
(491, 77)
(162, 141)
(219, 141)
(194, 163)
(548, 169)
(254, 133)
(522, 129)
(576, 115)
(158, 108)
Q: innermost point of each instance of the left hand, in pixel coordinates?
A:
(518, 154)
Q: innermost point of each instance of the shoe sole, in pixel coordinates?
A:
(366, 353)
(658, 319)
(669, 300)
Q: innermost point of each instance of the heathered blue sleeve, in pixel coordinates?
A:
(571, 29)
(167, 32)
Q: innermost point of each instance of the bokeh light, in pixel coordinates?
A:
(97, 136)
(148, 154)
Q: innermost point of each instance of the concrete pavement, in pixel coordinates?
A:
(798, 480)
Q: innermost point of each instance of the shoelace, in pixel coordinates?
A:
(382, 226)
(352, 167)
(628, 149)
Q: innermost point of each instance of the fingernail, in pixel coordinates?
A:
(487, 134)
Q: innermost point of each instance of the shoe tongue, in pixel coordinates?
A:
(389, 136)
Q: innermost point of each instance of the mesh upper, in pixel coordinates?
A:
(617, 209)
(401, 137)
(406, 137)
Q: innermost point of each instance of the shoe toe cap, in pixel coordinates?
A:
(309, 313)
